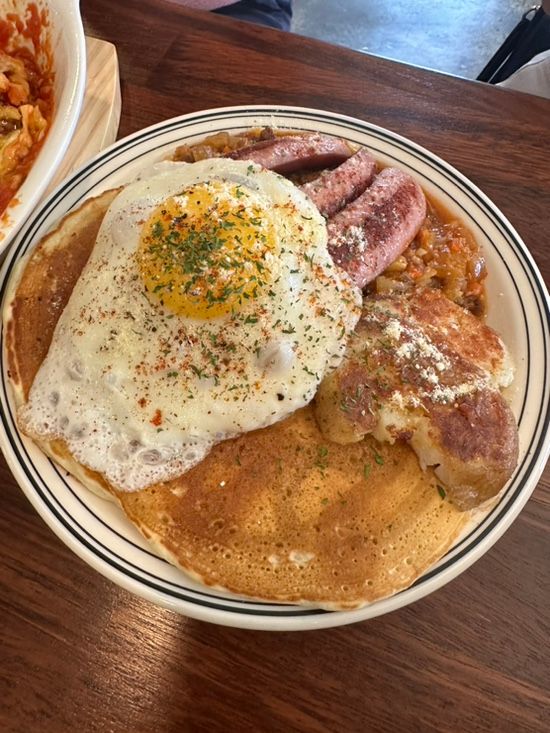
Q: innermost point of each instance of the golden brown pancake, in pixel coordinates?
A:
(44, 281)
(279, 514)
(282, 515)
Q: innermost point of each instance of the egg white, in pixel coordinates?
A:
(140, 393)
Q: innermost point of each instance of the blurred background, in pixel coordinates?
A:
(454, 36)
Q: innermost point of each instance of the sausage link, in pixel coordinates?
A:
(333, 189)
(290, 153)
(368, 234)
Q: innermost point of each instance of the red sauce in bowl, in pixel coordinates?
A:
(26, 95)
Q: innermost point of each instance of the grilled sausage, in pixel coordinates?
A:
(368, 234)
(290, 153)
(333, 189)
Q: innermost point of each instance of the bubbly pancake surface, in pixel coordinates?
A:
(279, 513)
(310, 522)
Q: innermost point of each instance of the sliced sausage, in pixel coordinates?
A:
(368, 234)
(333, 189)
(290, 153)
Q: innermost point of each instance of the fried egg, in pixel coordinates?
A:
(209, 307)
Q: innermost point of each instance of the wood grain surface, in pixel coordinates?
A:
(80, 654)
(99, 118)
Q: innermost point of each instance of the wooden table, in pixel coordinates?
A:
(80, 654)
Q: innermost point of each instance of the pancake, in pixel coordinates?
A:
(279, 514)
(41, 286)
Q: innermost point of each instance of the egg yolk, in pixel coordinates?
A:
(202, 252)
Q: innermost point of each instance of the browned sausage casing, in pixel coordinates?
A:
(371, 232)
(333, 189)
(291, 153)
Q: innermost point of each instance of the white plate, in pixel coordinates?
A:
(519, 309)
(68, 46)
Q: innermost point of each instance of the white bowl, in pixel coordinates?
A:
(66, 34)
(519, 309)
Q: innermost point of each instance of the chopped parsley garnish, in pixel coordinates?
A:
(199, 372)
(322, 457)
(378, 458)
(157, 230)
(193, 254)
